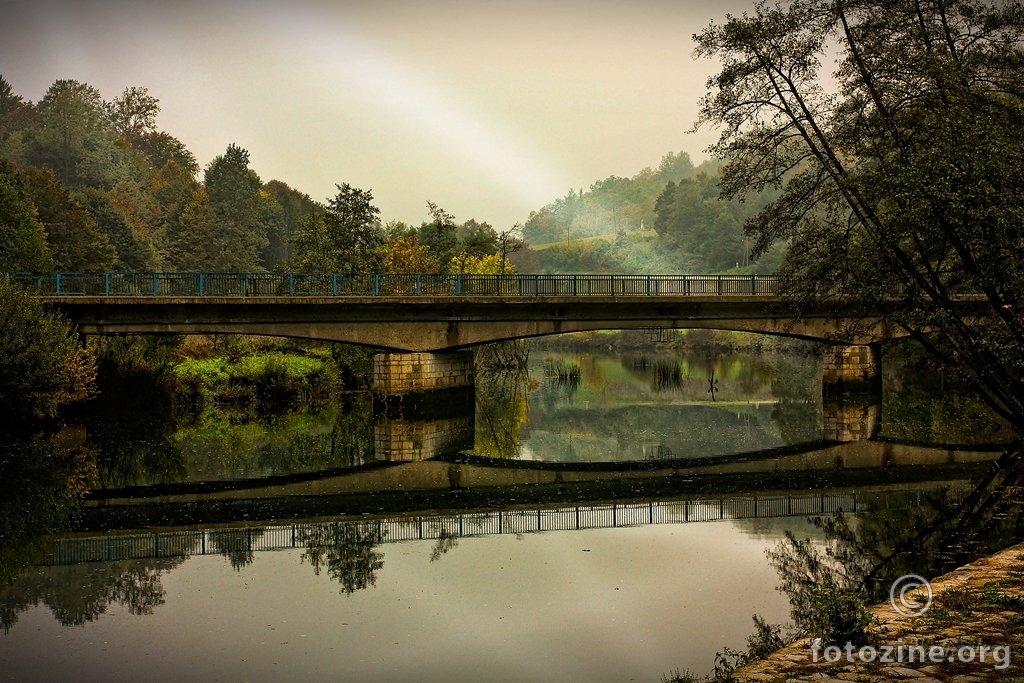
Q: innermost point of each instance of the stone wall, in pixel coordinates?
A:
(405, 441)
(404, 373)
(852, 366)
(850, 422)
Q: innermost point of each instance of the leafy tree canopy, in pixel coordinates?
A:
(345, 238)
(43, 368)
(900, 187)
(22, 237)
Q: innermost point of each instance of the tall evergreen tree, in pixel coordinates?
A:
(22, 237)
(71, 234)
(231, 229)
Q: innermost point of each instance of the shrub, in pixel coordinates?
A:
(839, 617)
(42, 366)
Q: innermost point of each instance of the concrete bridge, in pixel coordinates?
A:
(424, 320)
(429, 313)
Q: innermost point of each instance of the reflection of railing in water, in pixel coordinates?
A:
(389, 530)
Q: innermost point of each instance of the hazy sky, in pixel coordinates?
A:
(489, 109)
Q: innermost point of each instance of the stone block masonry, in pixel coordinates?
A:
(405, 373)
(404, 441)
(842, 422)
(852, 368)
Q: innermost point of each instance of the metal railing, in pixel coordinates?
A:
(331, 285)
(409, 528)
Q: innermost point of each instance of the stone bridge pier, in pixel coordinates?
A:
(851, 421)
(397, 374)
(424, 404)
(853, 369)
(851, 385)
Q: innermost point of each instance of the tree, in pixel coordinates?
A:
(133, 114)
(133, 252)
(74, 137)
(405, 256)
(900, 188)
(440, 235)
(477, 239)
(22, 237)
(16, 117)
(346, 238)
(197, 241)
(161, 148)
(225, 230)
(295, 207)
(509, 242)
(71, 234)
(44, 368)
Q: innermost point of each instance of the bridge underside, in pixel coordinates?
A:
(448, 336)
(428, 325)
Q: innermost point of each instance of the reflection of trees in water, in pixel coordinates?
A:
(41, 483)
(346, 550)
(921, 411)
(501, 411)
(80, 593)
(152, 445)
(235, 545)
(446, 540)
(668, 376)
(867, 555)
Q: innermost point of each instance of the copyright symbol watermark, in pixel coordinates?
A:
(903, 598)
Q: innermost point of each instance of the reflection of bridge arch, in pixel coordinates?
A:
(464, 481)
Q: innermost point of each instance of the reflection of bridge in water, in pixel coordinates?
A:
(187, 543)
(884, 460)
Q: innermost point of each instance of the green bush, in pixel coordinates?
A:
(267, 378)
(839, 617)
(42, 366)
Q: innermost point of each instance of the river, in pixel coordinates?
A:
(603, 517)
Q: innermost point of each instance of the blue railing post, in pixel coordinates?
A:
(648, 285)
(458, 284)
(376, 284)
(419, 284)
(291, 284)
(245, 285)
(202, 285)
(334, 284)
(106, 284)
(155, 285)
(57, 284)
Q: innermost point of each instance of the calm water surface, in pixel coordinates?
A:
(597, 604)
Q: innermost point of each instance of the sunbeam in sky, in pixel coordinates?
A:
(508, 166)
